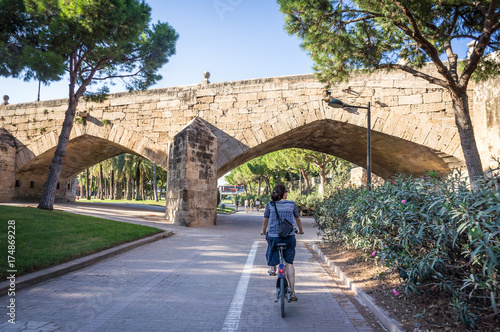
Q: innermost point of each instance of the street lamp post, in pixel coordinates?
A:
(336, 103)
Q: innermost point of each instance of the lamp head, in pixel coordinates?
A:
(336, 103)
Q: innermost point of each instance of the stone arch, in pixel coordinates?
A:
(88, 145)
(400, 144)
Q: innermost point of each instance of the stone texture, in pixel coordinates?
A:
(7, 165)
(412, 121)
(192, 182)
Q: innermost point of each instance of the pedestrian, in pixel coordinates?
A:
(251, 204)
(257, 204)
(286, 210)
(236, 202)
(246, 204)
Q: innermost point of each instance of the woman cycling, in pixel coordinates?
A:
(286, 210)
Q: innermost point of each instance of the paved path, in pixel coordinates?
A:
(200, 279)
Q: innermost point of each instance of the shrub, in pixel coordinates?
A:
(435, 233)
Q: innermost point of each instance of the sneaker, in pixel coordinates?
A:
(272, 271)
(293, 297)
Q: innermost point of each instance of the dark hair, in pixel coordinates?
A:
(278, 192)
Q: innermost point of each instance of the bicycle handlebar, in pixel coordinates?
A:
(295, 230)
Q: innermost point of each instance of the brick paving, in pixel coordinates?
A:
(186, 282)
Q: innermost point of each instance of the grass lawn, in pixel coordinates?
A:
(226, 209)
(45, 238)
(160, 202)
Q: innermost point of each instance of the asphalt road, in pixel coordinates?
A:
(200, 279)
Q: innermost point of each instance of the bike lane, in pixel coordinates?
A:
(201, 279)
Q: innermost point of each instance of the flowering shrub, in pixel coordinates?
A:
(433, 232)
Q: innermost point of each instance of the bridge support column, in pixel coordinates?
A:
(192, 176)
(7, 166)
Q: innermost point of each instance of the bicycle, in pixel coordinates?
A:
(282, 289)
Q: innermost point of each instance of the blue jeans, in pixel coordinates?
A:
(273, 255)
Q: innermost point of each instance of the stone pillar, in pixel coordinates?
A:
(7, 166)
(192, 176)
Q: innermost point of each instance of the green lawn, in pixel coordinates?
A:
(147, 202)
(226, 209)
(45, 238)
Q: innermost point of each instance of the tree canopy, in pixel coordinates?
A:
(346, 36)
(93, 41)
(21, 52)
(342, 36)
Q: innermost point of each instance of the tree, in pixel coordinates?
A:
(155, 185)
(260, 170)
(296, 159)
(343, 36)
(98, 40)
(323, 162)
(21, 53)
(277, 163)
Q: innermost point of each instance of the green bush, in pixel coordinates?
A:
(436, 233)
(306, 204)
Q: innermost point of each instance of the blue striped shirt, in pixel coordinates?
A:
(286, 209)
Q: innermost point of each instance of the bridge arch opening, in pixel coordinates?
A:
(82, 152)
(390, 155)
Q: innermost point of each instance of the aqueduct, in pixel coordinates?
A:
(200, 132)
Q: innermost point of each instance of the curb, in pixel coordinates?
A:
(365, 299)
(55, 271)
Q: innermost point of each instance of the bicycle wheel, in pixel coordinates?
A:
(282, 295)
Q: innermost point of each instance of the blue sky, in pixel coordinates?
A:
(232, 39)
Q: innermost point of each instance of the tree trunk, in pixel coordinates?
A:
(138, 192)
(81, 185)
(322, 175)
(110, 188)
(112, 185)
(268, 185)
(306, 180)
(118, 189)
(155, 193)
(130, 188)
(467, 139)
(91, 185)
(258, 188)
(291, 180)
(49, 190)
(87, 185)
(100, 191)
(143, 186)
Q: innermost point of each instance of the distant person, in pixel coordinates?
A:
(257, 204)
(246, 205)
(252, 204)
(236, 202)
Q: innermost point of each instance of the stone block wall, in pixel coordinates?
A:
(412, 121)
(192, 183)
(7, 166)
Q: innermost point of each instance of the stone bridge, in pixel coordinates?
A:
(200, 132)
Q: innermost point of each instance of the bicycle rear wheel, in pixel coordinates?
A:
(282, 295)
